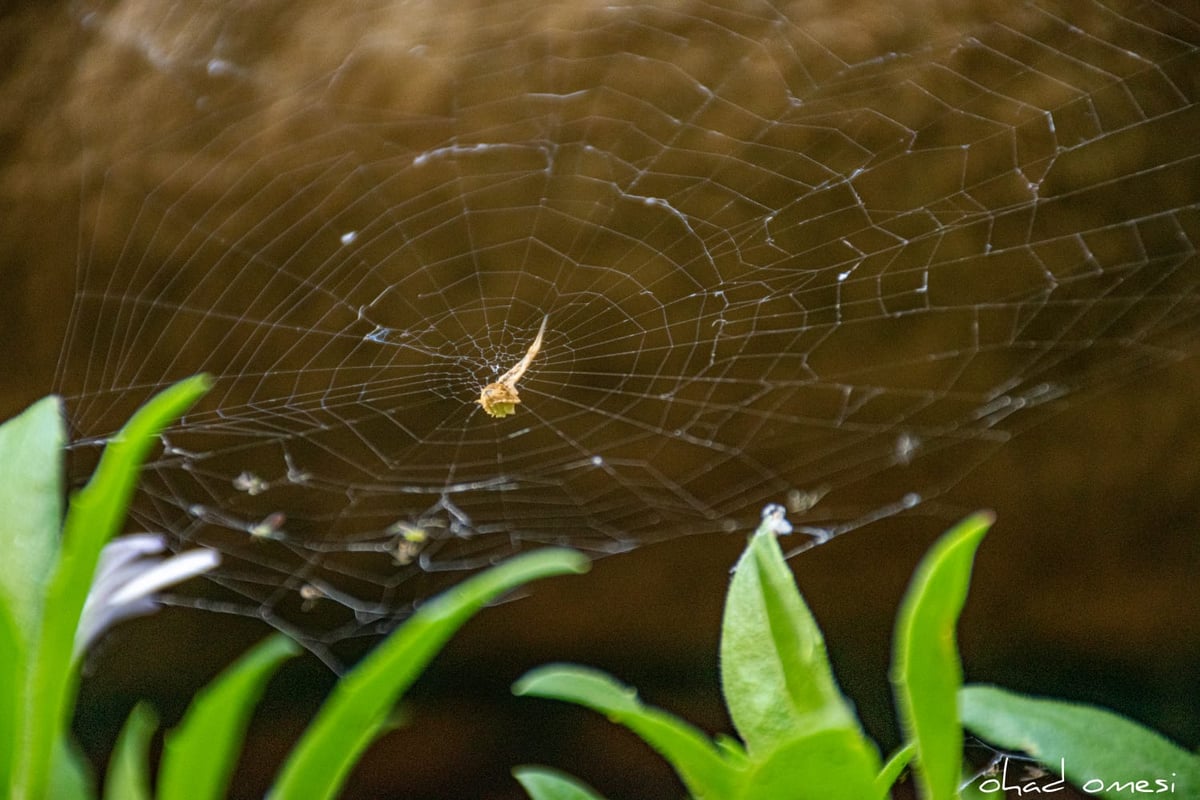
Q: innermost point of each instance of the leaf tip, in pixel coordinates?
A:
(576, 562)
(526, 685)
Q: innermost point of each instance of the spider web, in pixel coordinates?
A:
(830, 258)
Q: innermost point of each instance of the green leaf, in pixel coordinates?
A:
(359, 707)
(31, 453)
(200, 754)
(543, 783)
(129, 767)
(775, 673)
(975, 790)
(894, 767)
(71, 777)
(926, 671)
(95, 514)
(12, 662)
(697, 760)
(1094, 748)
(828, 764)
(733, 751)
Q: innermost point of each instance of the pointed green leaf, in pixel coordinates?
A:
(926, 672)
(697, 760)
(775, 673)
(894, 767)
(129, 767)
(543, 783)
(360, 705)
(95, 514)
(828, 764)
(31, 454)
(200, 754)
(1094, 747)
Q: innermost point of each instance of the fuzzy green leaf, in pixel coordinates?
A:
(200, 754)
(926, 672)
(775, 673)
(359, 707)
(828, 764)
(31, 453)
(1094, 748)
(697, 760)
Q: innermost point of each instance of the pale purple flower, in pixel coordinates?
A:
(130, 572)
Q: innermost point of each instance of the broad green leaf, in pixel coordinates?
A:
(543, 783)
(697, 760)
(129, 767)
(828, 764)
(360, 705)
(1098, 750)
(926, 672)
(775, 673)
(94, 515)
(31, 454)
(200, 754)
(892, 770)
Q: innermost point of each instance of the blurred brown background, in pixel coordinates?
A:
(1086, 587)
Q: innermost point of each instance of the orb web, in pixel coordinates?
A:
(829, 258)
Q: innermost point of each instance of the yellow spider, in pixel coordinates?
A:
(500, 399)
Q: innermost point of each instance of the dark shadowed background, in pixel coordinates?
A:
(885, 263)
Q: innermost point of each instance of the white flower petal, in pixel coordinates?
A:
(168, 572)
(122, 551)
(127, 579)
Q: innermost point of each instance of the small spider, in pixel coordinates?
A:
(500, 399)
(250, 483)
(409, 541)
(271, 526)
